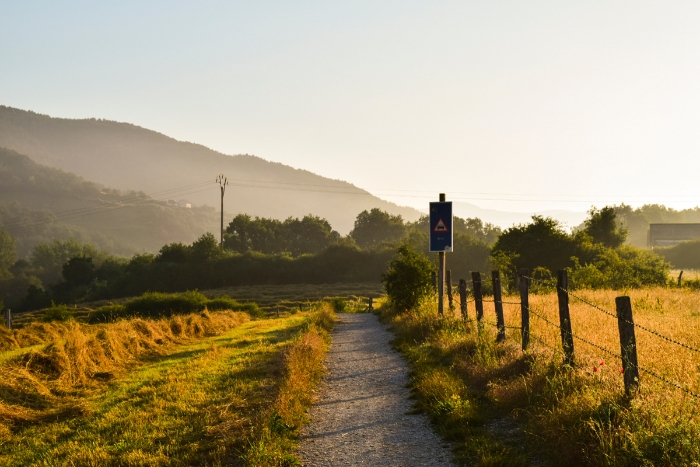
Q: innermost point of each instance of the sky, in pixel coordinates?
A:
(516, 106)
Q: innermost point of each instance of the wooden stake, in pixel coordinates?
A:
(567, 338)
(463, 298)
(498, 305)
(478, 299)
(628, 344)
(524, 308)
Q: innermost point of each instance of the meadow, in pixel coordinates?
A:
(204, 388)
(503, 406)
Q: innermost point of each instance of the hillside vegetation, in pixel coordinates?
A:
(128, 157)
(39, 204)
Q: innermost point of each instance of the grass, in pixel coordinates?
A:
(502, 406)
(232, 397)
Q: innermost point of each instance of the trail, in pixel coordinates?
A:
(361, 416)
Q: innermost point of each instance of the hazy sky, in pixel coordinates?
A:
(509, 105)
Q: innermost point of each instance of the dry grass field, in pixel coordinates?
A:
(564, 416)
(200, 389)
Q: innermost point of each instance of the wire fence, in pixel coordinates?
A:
(468, 296)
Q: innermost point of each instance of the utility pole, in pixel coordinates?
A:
(222, 181)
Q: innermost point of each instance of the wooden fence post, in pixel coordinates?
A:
(628, 344)
(567, 338)
(448, 281)
(8, 318)
(463, 298)
(524, 307)
(498, 305)
(370, 308)
(434, 277)
(478, 300)
(680, 278)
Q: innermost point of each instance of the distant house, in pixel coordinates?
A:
(188, 205)
(671, 234)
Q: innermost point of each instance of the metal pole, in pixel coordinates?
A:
(441, 275)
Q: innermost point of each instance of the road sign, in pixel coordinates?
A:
(441, 226)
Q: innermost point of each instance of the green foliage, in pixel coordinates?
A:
(408, 279)
(47, 259)
(157, 304)
(206, 248)
(540, 243)
(308, 235)
(57, 313)
(32, 193)
(372, 228)
(339, 304)
(7, 251)
(79, 270)
(685, 255)
(620, 268)
(602, 227)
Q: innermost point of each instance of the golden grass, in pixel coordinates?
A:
(234, 398)
(47, 382)
(574, 416)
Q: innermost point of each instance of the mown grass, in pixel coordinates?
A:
(235, 398)
(502, 406)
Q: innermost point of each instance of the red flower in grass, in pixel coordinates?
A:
(622, 370)
(595, 368)
(601, 363)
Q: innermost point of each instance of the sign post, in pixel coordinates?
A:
(441, 241)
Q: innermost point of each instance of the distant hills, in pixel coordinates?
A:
(39, 204)
(128, 157)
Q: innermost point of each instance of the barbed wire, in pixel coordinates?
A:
(668, 381)
(574, 335)
(640, 368)
(650, 331)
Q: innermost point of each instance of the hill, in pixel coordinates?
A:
(39, 204)
(129, 157)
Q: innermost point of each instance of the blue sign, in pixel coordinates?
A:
(441, 226)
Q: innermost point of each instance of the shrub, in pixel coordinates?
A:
(339, 304)
(408, 278)
(227, 303)
(620, 268)
(57, 313)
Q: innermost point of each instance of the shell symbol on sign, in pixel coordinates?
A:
(440, 226)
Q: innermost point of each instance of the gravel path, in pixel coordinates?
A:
(361, 416)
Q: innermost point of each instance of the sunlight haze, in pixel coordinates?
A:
(515, 106)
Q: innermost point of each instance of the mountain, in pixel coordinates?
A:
(39, 204)
(128, 157)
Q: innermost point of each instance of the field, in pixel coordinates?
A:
(201, 389)
(270, 298)
(504, 406)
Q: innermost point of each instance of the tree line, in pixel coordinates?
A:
(307, 250)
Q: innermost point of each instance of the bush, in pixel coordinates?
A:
(408, 278)
(227, 303)
(57, 313)
(338, 304)
(620, 268)
(157, 304)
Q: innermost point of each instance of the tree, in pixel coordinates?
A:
(7, 252)
(79, 270)
(377, 226)
(408, 278)
(602, 227)
(206, 248)
(540, 243)
(173, 253)
(311, 234)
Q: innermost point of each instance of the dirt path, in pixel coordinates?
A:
(361, 416)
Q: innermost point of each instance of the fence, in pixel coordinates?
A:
(623, 314)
